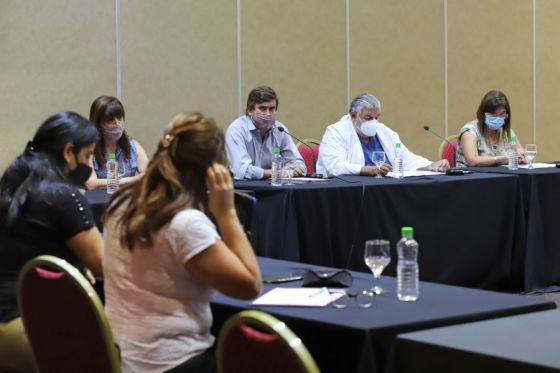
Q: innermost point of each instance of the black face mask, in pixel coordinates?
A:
(80, 174)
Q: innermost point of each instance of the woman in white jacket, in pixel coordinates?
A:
(347, 145)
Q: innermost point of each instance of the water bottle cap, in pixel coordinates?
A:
(407, 231)
(276, 150)
(513, 138)
(112, 156)
(398, 145)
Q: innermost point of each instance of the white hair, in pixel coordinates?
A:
(362, 101)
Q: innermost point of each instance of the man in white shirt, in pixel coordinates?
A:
(251, 138)
(347, 146)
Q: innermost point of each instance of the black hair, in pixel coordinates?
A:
(42, 163)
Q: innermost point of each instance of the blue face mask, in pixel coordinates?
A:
(494, 123)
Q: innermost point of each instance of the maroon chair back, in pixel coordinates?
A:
(307, 155)
(447, 150)
(253, 341)
(64, 319)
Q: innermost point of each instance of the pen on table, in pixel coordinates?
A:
(318, 292)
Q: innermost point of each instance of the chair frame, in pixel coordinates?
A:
(60, 265)
(271, 325)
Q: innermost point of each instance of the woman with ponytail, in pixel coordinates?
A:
(164, 256)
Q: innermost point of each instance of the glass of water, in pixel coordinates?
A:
(378, 159)
(377, 255)
(289, 169)
(531, 153)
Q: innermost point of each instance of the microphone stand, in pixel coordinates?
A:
(314, 174)
(427, 128)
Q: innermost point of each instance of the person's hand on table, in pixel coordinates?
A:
(439, 166)
(299, 171)
(373, 171)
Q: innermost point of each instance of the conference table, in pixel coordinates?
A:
(493, 229)
(521, 343)
(470, 228)
(541, 199)
(356, 339)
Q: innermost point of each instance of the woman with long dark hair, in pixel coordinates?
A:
(107, 113)
(485, 141)
(164, 255)
(43, 212)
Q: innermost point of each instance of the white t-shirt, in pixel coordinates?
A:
(159, 314)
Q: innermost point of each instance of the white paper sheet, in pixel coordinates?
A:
(303, 297)
(416, 173)
(310, 180)
(536, 165)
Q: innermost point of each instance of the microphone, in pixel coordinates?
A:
(314, 174)
(427, 128)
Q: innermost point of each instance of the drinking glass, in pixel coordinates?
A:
(377, 255)
(378, 159)
(289, 168)
(531, 153)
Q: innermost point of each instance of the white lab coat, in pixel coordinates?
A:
(341, 153)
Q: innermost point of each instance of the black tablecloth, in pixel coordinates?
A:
(470, 228)
(540, 191)
(360, 340)
(523, 343)
(96, 200)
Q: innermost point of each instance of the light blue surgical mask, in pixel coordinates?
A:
(494, 123)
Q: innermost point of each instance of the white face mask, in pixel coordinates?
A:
(368, 128)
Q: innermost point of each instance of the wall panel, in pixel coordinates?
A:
(298, 49)
(548, 79)
(182, 55)
(56, 55)
(490, 47)
(396, 53)
(177, 56)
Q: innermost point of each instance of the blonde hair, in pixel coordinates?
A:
(174, 179)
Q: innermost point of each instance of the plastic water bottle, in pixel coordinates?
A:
(408, 287)
(112, 174)
(398, 169)
(512, 153)
(276, 169)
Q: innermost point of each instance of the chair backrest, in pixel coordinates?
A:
(447, 150)
(254, 341)
(244, 207)
(306, 153)
(64, 319)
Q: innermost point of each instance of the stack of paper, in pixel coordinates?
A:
(304, 297)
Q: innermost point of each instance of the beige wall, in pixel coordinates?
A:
(55, 55)
(182, 55)
(298, 49)
(548, 78)
(396, 53)
(490, 47)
